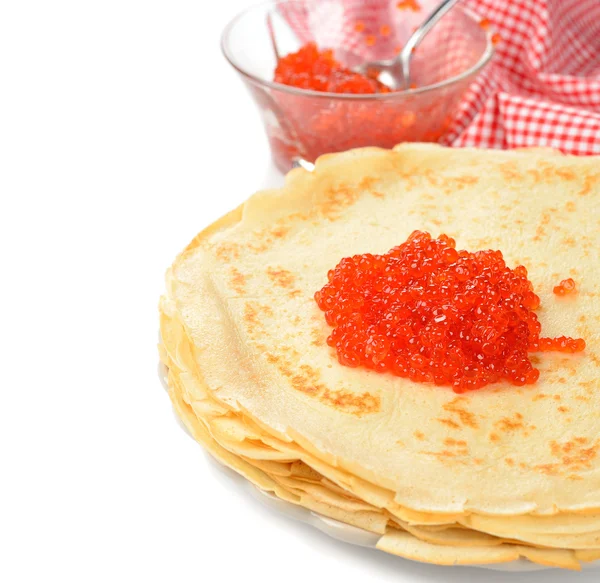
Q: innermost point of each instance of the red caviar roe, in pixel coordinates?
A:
(566, 286)
(310, 68)
(308, 127)
(408, 5)
(430, 313)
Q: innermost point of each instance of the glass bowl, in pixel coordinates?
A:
(302, 124)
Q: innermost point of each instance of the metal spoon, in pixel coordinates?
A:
(395, 73)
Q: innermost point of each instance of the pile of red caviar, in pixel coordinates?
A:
(565, 287)
(310, 68)
(308, 126)
(430, 313)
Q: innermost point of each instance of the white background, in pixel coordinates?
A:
(123, 132)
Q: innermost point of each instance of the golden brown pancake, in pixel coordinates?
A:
(247, 341)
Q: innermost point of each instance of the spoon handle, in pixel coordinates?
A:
(416, 37)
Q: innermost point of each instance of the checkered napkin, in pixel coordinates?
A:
(542, 87)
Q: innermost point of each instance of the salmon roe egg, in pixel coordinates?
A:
(431, 313)
(565, 287)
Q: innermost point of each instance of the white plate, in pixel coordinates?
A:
(334, 528)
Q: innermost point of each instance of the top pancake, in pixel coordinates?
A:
(244, 291)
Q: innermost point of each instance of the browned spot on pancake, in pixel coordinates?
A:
(263, 240)
(280, 232)
(509, 461)
(556, 363)
(447, 184)
(557, 397)
(459, 446)
(357, 404)
(494, 437)
(431, 177)
(509, 171)
(400, 443)
(237, 281)
(455, 448)
(227, 251)
(281, 277)
(465, 180)
(462, 415)
(299, 383)
(448, 422)
(575, 455)
(318, 336)
(367, 182)
(539, 397)
(252, 318)
(570, 206)
(419, 435)
(266, 310)
(589, 386)
(294, 293)
(307, 380)
(563, 409)
(407, 175)
(594, 358)
(582, 398)
(523, 465)
(568, 241)
(548, 172)
(458, 442)
(514, 423)
(440, 454)
(589, 182)
(565, 173)
(540, 232)
(250, 314)
(335, 200)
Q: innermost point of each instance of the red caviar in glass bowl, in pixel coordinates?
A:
(310, 68)
(318, 114)
(430, 313)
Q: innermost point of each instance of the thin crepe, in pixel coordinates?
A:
(286, 458)
(258, 336)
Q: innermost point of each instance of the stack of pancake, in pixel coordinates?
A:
(490, 476)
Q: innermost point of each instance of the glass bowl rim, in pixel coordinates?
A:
(486, 56)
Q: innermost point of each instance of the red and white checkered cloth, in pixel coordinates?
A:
(543, 85)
